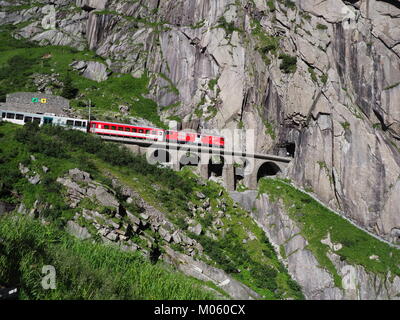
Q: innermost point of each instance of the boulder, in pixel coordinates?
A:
(106, 198)
(78, 65)
(176, 237)
(35, 179)
(79, 175)
(197, 229)
(77, 231)
(135, 220)
(96, 71)
(165, 234)
(113, 236)
(124, 109)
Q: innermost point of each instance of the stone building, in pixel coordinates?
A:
(36, 103)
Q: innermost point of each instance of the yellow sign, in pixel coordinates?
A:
(43, 100)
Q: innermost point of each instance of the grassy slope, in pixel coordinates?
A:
(85, 270)
(105, 96)
(316, 221)
(61, 150)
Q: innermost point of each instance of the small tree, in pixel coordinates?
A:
(69, 91)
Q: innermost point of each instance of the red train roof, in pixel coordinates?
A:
(124, 124)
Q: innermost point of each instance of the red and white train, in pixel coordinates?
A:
(114, 129)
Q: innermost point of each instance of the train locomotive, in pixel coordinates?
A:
(114, 129)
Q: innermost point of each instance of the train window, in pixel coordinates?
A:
(10, 115)
(113, 128)
(93, 125)
(140, 130)
(70, 122)
(107, 127)
(120, 128)
(84, 124)
(128, 129)
(134, 130)
(78, 123)
(153, 132)
(19, 117)
(36, 120)
(3, 115)
(28, 119)
(168, 132)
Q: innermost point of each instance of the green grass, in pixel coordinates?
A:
(269, 129)
(316, 221)
(288, 64)
(84, 270)
(266, 44)
(345, 125)
(105, 96)
(313, 75)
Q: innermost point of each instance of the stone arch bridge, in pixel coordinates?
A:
(233, 167)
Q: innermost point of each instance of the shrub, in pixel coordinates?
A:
(265, 277)
(69, 91)
(289, 63)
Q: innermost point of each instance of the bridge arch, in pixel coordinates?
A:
(268, 169)
(240, 165)
(216, 166)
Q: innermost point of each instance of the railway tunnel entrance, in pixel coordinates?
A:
(268, 169)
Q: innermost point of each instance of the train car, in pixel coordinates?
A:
(25, 117)
(194, 138)
(113, 129)
(126, 130)
(178, 136)
(213, 141)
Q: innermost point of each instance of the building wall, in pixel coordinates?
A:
(23, 101)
